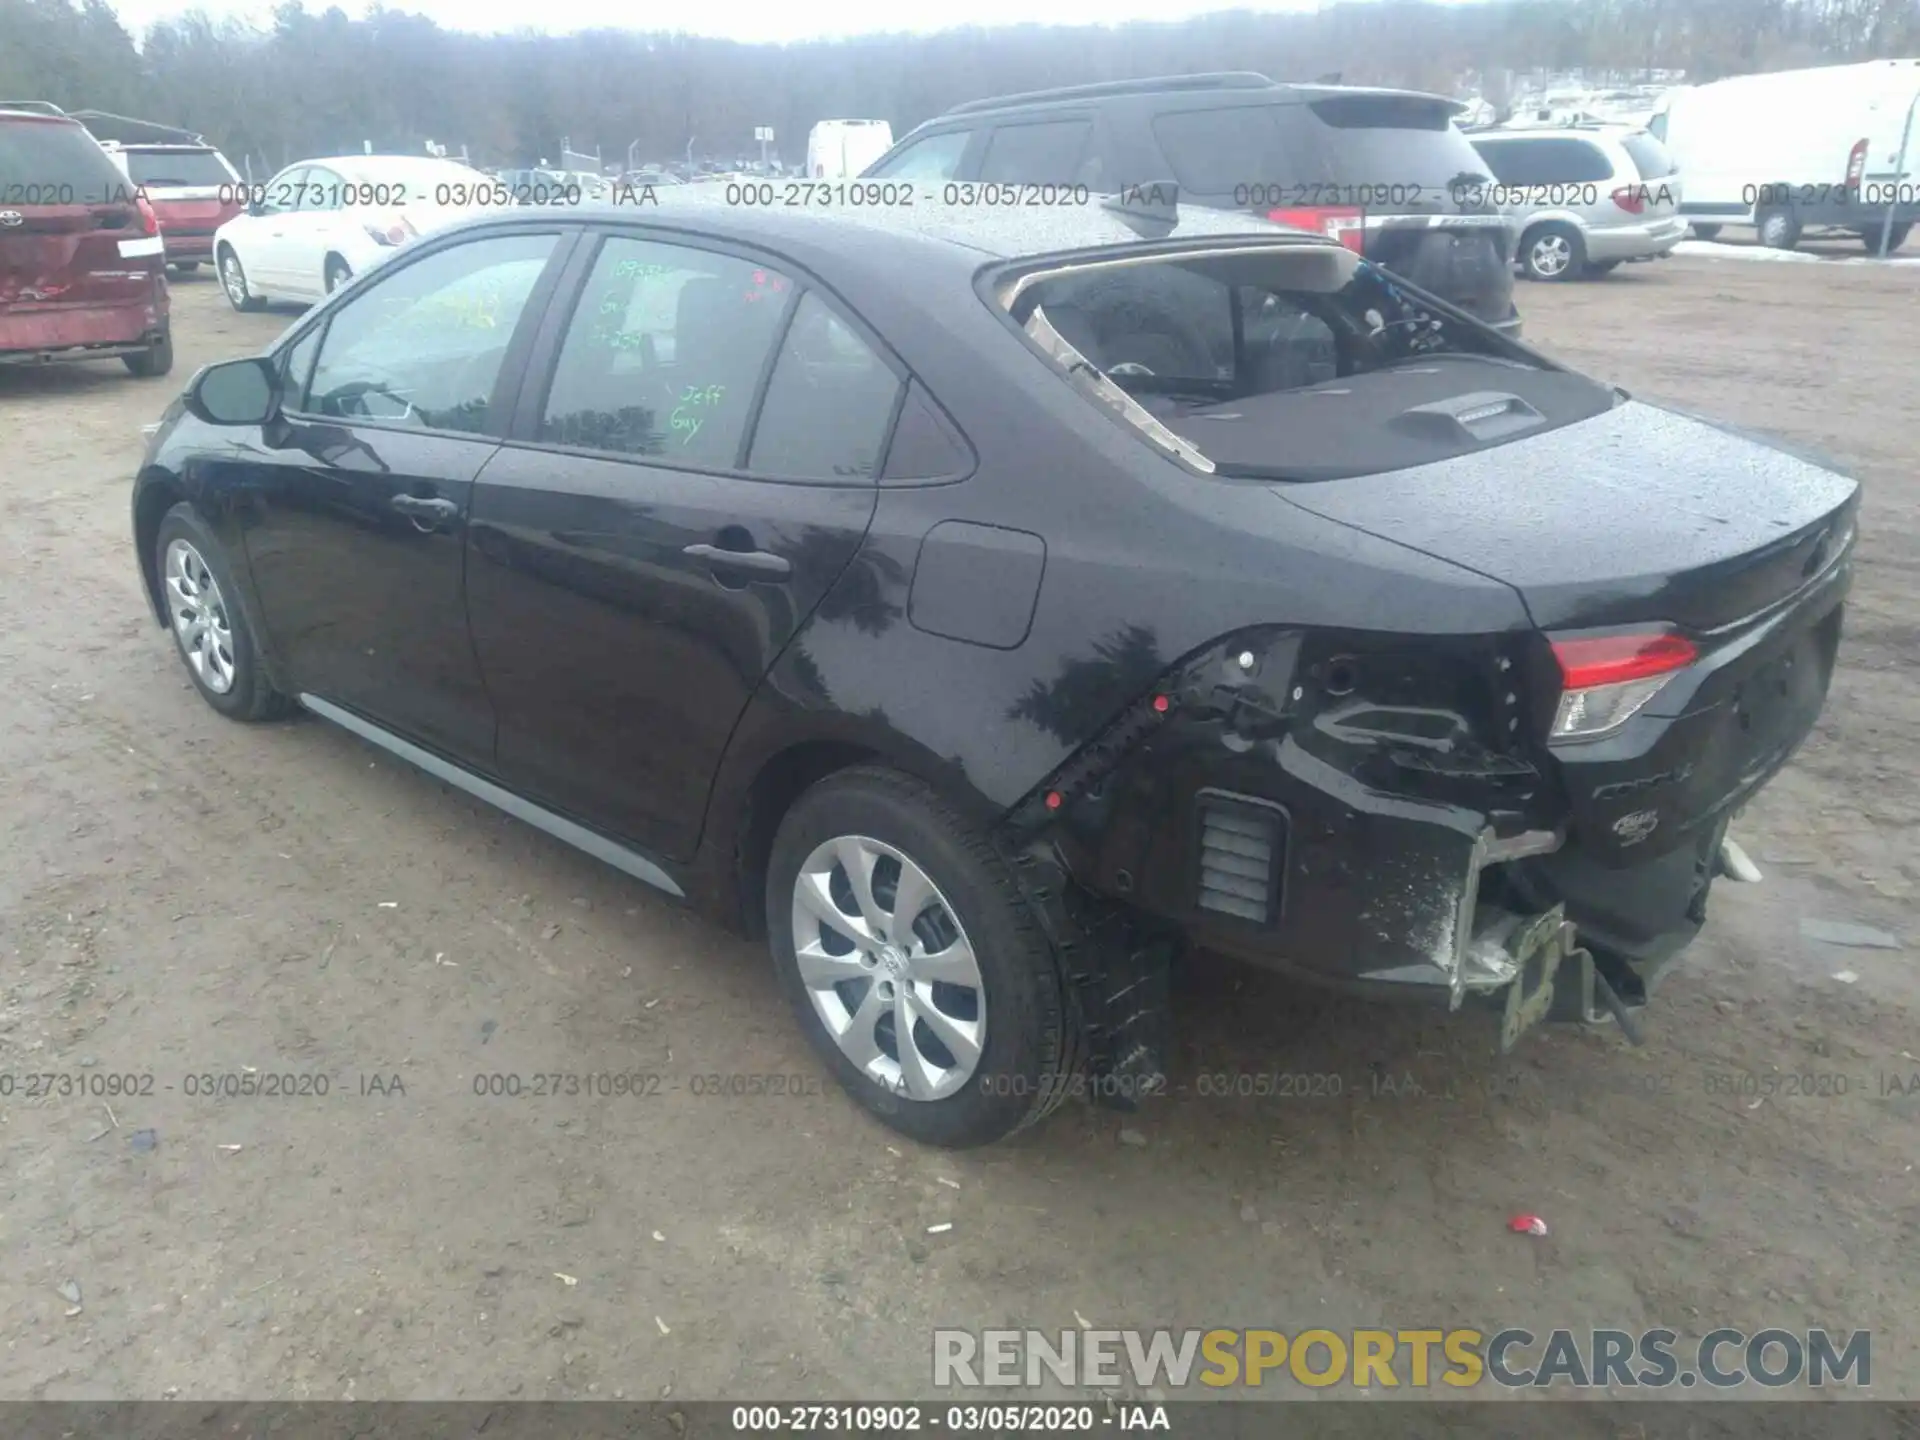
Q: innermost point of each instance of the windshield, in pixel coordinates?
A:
(1206, 356)
(177, 167)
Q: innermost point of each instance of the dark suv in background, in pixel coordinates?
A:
(82, 264)
(1383, 171)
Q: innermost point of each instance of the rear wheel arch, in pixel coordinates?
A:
(745, 819)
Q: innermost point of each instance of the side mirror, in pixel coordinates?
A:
(257, 208)
(236, 392)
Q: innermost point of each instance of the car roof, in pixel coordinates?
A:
(1236, 87)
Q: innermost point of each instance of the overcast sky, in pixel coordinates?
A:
(737, 19)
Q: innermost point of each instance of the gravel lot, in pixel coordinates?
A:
(181, 896)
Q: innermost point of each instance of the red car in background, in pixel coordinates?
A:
(82, 265)
(188, 182)
(192, 189)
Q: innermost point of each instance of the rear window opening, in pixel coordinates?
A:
(1296, 363)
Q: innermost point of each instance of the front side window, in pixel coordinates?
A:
(935, 158)
(422, 346)
(664, 352)
(283, 192)
(319, 191)
(829, 402)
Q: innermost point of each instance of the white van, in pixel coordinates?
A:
(1800, 150)
(841, 149)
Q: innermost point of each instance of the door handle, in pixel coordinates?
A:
(427, 512)
(762, 563)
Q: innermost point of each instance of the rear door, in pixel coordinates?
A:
(690, 477)
(72, 239)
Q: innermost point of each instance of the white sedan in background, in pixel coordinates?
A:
(318, 223)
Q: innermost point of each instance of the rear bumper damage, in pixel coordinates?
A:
(1331, 807)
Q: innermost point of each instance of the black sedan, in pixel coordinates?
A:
(986, 607)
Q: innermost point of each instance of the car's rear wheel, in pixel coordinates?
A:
(204, 614)
(233, 279)
(1896, 236)
(338, 273)
(1779, 228)
(1553, 252)
(1704, 232)
(156, 359)
(915, 964)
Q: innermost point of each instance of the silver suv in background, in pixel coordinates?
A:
(1584, 198)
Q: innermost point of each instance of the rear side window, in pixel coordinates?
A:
(828, 405)
(1392, 140)
(1649, 156)
(1216, 151)
(663, 353)
(1547, 162)
(1046, 154)
(176, 167)
(55, 162)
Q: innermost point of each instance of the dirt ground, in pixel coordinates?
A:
(185, 897)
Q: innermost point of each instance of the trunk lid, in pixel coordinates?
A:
(1636, 515)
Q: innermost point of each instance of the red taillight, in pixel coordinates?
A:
(149, 220)
(1856, 164)
(1630, 198)
(1348, 226)
(1613, 659)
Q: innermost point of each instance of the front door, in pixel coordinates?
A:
(357, 505)
(676, 499)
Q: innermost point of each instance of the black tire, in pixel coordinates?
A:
(1032, 1046)
(1704, 232)
(1896, 236)
(251, 695)
(185, 267)
(1553, 252)
(337, 273)
(233, 280)
(1778, 227)
(155, 360)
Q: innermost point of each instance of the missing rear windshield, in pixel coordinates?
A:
(1296, 363)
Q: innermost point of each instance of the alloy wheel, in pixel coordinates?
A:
(234, 279)
(888, 967)
(1551, 255)
(199, 615)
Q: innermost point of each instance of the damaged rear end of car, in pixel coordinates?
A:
(1526, 814)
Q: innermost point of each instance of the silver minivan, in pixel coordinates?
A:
(1584, 198)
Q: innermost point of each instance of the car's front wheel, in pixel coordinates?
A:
(1553, 252)
(915, 964)
(208, 626)
(233, 279)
